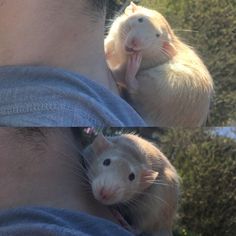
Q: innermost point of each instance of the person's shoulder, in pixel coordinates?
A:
(43, 96)
(52, 221)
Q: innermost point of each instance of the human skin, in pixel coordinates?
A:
(43, 170)
(58, 33)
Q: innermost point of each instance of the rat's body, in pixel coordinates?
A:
(132, 176)
(167, 82)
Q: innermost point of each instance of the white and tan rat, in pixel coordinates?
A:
(131, 175)
(167, 82)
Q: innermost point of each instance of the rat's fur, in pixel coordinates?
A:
(174, 86)
(149, 202)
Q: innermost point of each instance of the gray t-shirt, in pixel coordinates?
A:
(45, 96)
(41, 221)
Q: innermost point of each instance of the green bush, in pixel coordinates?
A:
(207, 166)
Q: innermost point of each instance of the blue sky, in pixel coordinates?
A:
(226, 131)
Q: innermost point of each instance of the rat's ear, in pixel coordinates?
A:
(109, 47)
(170, 49)
(148, 177)
(132, 8)
(100, 144)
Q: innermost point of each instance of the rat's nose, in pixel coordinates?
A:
(135, 42)
(134, 45)
(106, 194)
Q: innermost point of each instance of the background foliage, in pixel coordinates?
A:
(210, 27)
(206, 162)
(207, 166)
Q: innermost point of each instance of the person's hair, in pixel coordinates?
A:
(98, 5)
(38, 136)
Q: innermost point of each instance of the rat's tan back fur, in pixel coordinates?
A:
(177, 93)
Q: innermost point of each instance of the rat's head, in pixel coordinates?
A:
(115, 176)
(147, 31)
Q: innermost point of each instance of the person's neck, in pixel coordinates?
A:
(37, 171)
(48, 33)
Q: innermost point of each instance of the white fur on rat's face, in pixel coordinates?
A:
(113, 179)
(142, 33)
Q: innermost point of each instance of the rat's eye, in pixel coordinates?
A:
(107, 162)
(131, 176)
(140, 20)
(158, 35)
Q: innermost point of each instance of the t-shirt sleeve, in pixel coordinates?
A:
(59, 222)
(42, 96)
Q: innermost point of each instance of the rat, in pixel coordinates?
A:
(134, 178)
(166, 81)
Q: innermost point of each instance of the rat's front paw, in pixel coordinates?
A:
(133, 65)
(132, 69)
